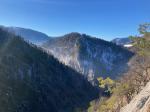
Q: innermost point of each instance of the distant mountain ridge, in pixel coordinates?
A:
(122, 41)
(33, 81)
(30, 35)
(90, 56)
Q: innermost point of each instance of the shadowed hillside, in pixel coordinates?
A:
(32, 81)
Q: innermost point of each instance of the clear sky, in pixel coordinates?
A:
(106, 19)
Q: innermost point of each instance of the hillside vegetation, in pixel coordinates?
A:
(90, 56)
(125, 89)
(32, 81)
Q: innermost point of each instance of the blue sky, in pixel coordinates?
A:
(106, 19)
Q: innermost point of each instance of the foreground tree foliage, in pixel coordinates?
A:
(133, 81)
(107, 85)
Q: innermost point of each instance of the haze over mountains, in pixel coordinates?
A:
(90, 56)
(30, 35)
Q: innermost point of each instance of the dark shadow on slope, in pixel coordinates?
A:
(32, 81)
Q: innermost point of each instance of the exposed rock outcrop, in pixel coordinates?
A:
(141, 102)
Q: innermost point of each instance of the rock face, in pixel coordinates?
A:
(90, 56)
(32, 36)
(141, 103)
(33, 81)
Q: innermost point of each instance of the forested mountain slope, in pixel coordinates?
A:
(32, 81)
(90, 56)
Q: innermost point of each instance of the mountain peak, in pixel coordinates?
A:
(92, 57)
(74, 34)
